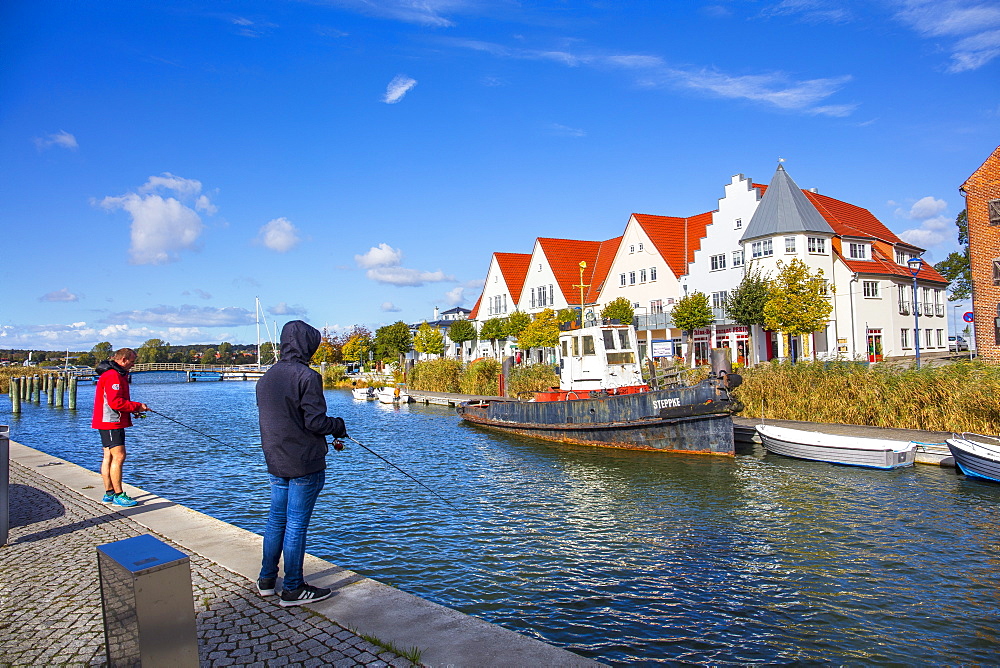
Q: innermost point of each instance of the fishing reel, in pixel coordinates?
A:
(337, 444)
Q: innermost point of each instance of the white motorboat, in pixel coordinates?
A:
(974, 458)
(393, 395)
(875, 453)
(364, 393)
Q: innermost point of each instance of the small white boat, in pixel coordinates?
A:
(364, 393)
(976, 459)
(875, 453)
(393, 395)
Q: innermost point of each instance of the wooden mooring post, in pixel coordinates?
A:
(60, 391)
(73, 382)
(36, 389)
(15, 395)
(50, 395)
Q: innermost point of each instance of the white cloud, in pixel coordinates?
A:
(280, 235)
(406, 277)
(564, 131)
(282, 308)
(389, 307)
(62, 139)
(921, 237)
(382, 255)
(974, 25)
(455, 297)
(162, 226)
(422, 12)
(397, 88)
(185, 316)
(934, 228)
(926, 207)
(197, 291)
(63, 295)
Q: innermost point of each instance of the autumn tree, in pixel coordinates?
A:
(542, 332)
(956, 267)
(797, 301)
(429, 340)
(358, 346)
(568, 315)
(324, 353)
(460, 332)
(745, 304)
(692, 312)
(619, 309)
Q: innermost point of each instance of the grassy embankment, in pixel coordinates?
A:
(964, 396)
(8, 372)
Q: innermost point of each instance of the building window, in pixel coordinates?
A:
(996, 272)
(870, 288)
(927, 338)
(631, 249)
(789, 244)
(652, 273)
(738, 258)
(859, 251)
(532, 298)
(739, 223)
(756, 249)
(541, 296)
(640, 247)
(822, 287)
(768, 247)
(656, 306)
(904, 338)
(719, 299)
(539, 266)
(631, 278)
(552, 294)
(940, 338)
(901, 257)
(642, 275)
(622, 278)
(718, 262)
(995, 212)
(816, 245)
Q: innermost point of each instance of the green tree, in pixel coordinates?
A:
(745, 304)
(542, 332)
(568, 315)
(692, 312)
(460, 332)
(102, 351)
(797, 303)
(493, 330)
(956, 266)
(429, 340)
(619, 309)
(268, 354)
(225, 353)
(208, 356)
(516, 322)
(392, 341)
(153, 350)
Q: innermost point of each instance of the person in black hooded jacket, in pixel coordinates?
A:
(293, 427)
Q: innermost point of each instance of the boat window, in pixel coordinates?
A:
(624, 339)
(565, 348)
(588, 345)
(576, 346)
(609, 339)
(621, 358)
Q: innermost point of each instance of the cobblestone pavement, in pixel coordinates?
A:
(50, 600)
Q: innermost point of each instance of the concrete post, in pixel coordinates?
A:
(148, 604)
(4, 483)
(15, 395)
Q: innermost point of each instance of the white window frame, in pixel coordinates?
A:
(652, 274)
(789, 245)
(816, 245)
(870, 289)
(858, 251)
(768, 247)
(631, 278)
(623, 283)
(718, 262)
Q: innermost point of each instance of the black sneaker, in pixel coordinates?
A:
(265, 586)
(302, 595)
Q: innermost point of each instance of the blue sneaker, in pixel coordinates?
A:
(124, 500)
(108, 497)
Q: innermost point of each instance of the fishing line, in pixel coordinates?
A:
(439, 497)
(187, 426)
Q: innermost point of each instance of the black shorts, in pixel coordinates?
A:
(111, 438)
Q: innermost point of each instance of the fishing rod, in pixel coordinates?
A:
(187, 426)
(439, 497)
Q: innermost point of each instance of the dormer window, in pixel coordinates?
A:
(859, 251)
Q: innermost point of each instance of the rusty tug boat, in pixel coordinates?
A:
(602, 400)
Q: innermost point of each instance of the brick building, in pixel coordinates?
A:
(982, 201)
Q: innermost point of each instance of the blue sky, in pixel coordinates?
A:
(357, 162)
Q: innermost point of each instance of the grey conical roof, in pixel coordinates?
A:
(784, 209)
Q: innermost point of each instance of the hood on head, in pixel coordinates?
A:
(299, 340)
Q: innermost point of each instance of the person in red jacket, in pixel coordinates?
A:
(113, 410)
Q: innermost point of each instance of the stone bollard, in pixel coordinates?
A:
(4, 483)
(15, 395)
(73, 382)
(60, 391)
(148, 604)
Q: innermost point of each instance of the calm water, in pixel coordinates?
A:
(625, 557)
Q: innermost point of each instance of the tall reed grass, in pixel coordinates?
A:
(8, 372)
(964, 396)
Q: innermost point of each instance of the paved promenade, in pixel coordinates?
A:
(50, 603)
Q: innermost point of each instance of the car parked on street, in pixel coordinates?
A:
(957, 344)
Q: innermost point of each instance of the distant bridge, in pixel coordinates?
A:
(205, 371)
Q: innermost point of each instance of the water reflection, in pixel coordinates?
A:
(623, 556)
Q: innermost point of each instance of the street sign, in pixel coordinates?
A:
(968, 316)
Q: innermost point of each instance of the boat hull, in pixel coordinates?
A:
(976, 459)
(693, 420)
(844, 450)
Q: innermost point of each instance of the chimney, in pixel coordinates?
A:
(436, 314)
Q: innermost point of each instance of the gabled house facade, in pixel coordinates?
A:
(982, 203)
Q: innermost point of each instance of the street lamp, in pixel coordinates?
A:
(955, 326)
(915, 263)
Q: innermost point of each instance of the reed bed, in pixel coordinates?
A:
(524, 381)
(440, 375)
(8, 372)
(964, 396)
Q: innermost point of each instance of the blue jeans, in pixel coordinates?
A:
(292, 501)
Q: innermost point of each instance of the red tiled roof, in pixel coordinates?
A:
(564, 257)
(475, 309)
(883, 262)
(847, 219)
(605, 257)
(676, 239)
(514, 267)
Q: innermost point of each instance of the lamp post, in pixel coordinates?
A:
(915, 263)
(955, 319)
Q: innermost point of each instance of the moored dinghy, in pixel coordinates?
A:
(877, 453)
(976, 459)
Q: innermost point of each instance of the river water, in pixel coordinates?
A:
(625, 557)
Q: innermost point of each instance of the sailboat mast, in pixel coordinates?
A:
(257, 313)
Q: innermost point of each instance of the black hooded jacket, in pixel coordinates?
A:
(292, 409)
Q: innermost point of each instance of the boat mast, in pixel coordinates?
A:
(257, 313)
